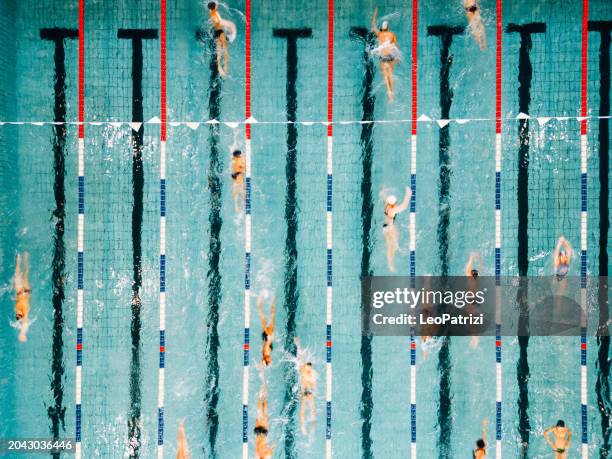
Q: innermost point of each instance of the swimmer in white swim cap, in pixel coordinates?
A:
(390, 231)
(388, 52)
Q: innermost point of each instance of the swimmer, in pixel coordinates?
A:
(181, 443)
(388, 49)
(563, 437)
(23, 291)
(262, 427)
(472, 272)
(389, 229)
(267, 334)
(308, 384)
(221, 39)
(561, 258)
(472, 11)
(238, 173)
(481, 444)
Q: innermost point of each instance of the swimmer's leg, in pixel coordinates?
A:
(225, 55)
(235, 192)
(219, 51)
(26, 271)
(388, 75)
(311, 405)
(390, 249)
(18, 278)
(391, 67)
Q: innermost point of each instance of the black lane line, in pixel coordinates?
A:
(368, 102)
(215, 172)
(291, 217)
(525, 72)
(57, 411)
(136, 36)
(602, 383)
(445, 420)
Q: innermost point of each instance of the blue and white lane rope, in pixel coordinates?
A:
(328, 308)
(162, 302)
(247, 298)
(80, 285)
(498, 300)
(583, 297)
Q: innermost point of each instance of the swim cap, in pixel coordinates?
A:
(212, 5)
(474, 273)
(237, 153)
(385, 25)
(391, 200)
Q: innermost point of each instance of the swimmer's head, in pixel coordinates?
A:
(560, 423)
(474, 273)
(391, 200)
(18, 315)
(384, 26)
(212, 6)
(236, 153)
(309, 364)
(480, 443)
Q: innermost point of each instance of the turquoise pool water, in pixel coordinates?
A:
(31, 403)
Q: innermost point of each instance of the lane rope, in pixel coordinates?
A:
(583, 229)
(80, 230)
(413, 172)
(247, 238)
(162, 238)
(498, 292)
(329, 221)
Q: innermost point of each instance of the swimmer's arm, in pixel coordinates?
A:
(25, 324)
(569, 439)
(297, 345)
(404, 205)
(547, 437)
(261, 313)
(468, 267)
(273, 309)
(557, 251)
(484, 431)
(374, 26)
(394, 41)
(568, 248)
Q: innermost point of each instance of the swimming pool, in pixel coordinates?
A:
(205, 239)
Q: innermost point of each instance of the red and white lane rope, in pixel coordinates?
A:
(413, 172)
(583, 229)
(329, 223)
(498, 292)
